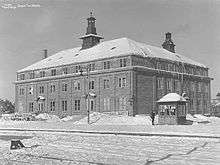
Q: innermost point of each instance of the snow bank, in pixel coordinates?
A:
(48, 117)
(67, 118)
(199, 118)
(97, 118)
(6, 117)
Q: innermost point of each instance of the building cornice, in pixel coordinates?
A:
(113, 70)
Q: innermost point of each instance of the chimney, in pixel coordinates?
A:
(168, 43)
(45, 53)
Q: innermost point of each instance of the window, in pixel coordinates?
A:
(158, 65)
(122, 82)
(31, 75)
(176, 85)
(106, 84)
(77, 105)
(42, 73)
(159, 83)
(168, 83)
(191, 103)
(106, 102)
(76, 85)
(40, 106)
(52, 88)
(107, 65)
(22, 76)
(64, 105)
(52, 106)
(176, 69)
(205, 104)
(170, 67)
(53, 72)
(123, 62)
(77, 68)
(92, 84)
(31, 90)
(41, 89)
(92, 67)
(199, 87)
(64, 87)
(206, 88)
(21, 91)
(122, 104)
(64, 70)
(31, 107)
(193, 87)
(92, 106)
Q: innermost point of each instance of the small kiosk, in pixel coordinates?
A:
(172, 109)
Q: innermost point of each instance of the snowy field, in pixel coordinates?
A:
(85, 149)
(201, 125)
(44, 148)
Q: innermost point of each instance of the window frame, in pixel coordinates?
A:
(122, 82)
(106, 65)
(42, 73)
(53, 72)
(77, 105)
(64, 105)
(106, 83)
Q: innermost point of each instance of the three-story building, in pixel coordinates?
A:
(125, 75)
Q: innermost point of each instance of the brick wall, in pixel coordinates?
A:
(144, 94)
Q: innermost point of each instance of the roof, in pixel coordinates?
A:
(91, 35)
(172, 97)
(217, 105)
(107, 49)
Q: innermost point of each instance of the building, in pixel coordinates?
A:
(125, 76)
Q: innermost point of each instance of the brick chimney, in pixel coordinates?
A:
(168, 43)
(45, 54)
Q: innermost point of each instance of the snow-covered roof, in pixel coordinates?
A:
(89, 35)
(108, 49)
(172, 97)
(217, 105)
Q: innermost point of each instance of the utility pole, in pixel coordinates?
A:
(87, 95)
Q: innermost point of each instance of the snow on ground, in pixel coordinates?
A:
(97, 118)
(85, 149)
(207, 126)
(48, 117)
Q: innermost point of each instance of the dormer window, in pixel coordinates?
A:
(42, 73)
(65, 70)
(92, 67)
(77, 68)
(158, 65)
(123, 62)
(22, 76)
(53, 72)
(31, 75)
(106, 65)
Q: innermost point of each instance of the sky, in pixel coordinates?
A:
(29, 26)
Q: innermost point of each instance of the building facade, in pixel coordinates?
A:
(125, 76)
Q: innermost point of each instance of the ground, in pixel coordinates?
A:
(66, 148)
(55, 142)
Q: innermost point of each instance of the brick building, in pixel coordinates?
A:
(125, 76)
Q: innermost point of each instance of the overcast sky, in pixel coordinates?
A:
(34, 25)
